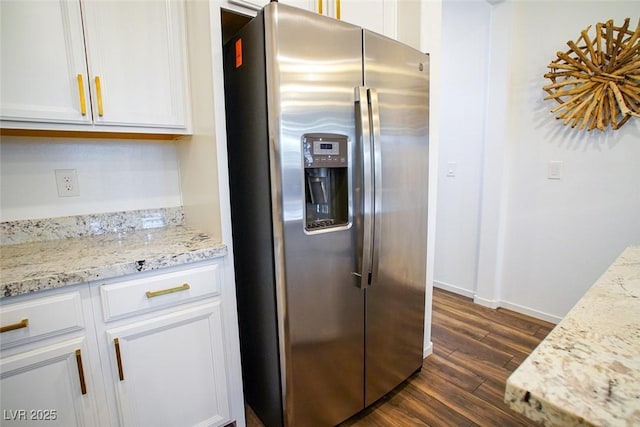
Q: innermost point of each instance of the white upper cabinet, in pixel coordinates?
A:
(42, 57)
(124, 70)
(375, 15)
(252, 6)
(135, 52)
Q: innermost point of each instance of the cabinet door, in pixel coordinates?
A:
(375, 15)
(256, 5)
(49, 386)
(42, 57)
(302, 4)
(137, 62)
(170, 370)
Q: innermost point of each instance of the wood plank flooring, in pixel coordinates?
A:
(462, 383)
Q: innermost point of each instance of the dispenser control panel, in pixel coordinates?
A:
(326, 148)
(326, 182)
(322, 151)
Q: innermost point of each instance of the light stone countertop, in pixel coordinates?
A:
(587, 370)
(112, 251)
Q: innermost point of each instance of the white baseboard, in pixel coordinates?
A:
(531, 312)
(428, 350)
(486, 302)
(497, 303)
(451, 288)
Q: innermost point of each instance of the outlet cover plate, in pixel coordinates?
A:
(67, 183)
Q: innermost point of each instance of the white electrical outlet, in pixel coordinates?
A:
(67, 183)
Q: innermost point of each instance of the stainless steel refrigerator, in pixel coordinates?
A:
(327, 128)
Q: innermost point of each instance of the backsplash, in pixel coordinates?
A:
(113, 176)
(32, 230)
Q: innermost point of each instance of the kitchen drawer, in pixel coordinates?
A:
(40, 317)
(137, 296)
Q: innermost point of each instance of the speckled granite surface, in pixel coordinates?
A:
(587, 370)
(37, 265)
(37, 230)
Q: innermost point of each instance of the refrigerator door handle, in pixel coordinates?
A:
(374, 106)
(363, 176)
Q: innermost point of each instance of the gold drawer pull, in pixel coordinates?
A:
(83, 384)
(21, 324)
(184, 287)
(116, 343)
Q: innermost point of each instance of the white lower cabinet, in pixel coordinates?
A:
(170, 370)
(162, 347)
(50, 385)
(49, 365)
(145, 350)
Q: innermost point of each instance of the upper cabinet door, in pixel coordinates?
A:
(375, 15)
(137, 62)
(43, 72)
(256, 5)
(379, 16)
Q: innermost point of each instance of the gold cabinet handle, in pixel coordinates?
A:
(116, 343)
(83, 384)
(83, 104)
(320, 6)
(99, 95)
(183, 287)
(21, 324)
(338, 9)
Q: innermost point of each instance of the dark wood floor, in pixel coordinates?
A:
(462, 383)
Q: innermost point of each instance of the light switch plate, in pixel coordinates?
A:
(554, 171)
(452, 169)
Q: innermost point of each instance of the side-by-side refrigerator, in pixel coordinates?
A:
(328, 149)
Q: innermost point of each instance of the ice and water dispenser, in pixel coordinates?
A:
(326, 181)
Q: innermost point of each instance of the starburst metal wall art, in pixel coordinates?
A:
(597, 81)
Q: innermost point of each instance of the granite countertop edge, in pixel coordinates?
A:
(586, 372)
(36, 266)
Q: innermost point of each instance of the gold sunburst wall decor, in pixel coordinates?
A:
(597, 81)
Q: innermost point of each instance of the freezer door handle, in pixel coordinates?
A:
(363, 185)
(374, 106)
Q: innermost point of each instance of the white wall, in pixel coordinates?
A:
(120, 175)
(542, 242)
(465, 53)
(430, 42)
(197, 154)
(561, 235)
(113, 175)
